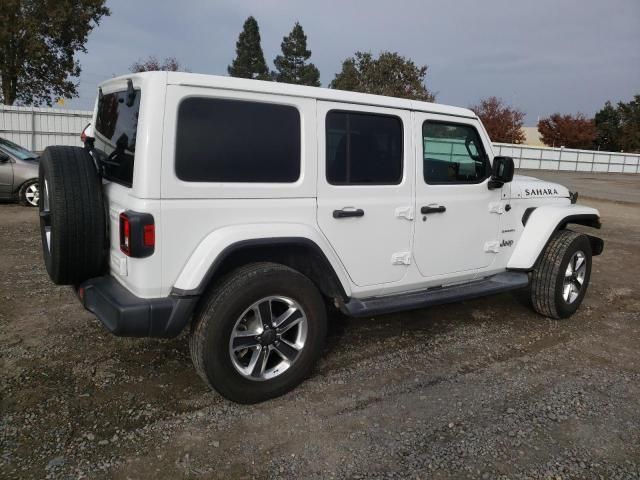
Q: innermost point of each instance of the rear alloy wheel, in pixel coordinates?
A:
(29, 194)
(258, 332)
(268, 337)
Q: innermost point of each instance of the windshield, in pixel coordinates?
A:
(115, 135)
(16, 150)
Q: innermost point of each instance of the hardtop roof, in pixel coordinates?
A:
(319, 93)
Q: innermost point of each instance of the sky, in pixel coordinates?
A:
(541, 56)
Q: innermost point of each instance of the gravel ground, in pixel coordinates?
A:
(483, 389)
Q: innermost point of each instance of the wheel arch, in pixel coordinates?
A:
(211, 260)
(18, 187)
(540, 224)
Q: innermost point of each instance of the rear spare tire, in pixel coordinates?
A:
(72, 216)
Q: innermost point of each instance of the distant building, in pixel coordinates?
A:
(532, 137)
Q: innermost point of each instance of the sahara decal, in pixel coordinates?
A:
(540, 191)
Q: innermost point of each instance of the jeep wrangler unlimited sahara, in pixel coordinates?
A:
(240, 209)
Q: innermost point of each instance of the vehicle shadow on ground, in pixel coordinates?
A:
(429, 323)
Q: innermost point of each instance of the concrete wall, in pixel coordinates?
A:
(36, 128)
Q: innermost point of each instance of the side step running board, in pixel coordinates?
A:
(501, 282)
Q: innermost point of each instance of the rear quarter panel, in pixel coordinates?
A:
(142, 276)
(193, 212)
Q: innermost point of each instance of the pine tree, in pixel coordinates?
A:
(291, 66)
(390, 74)
(249, 61)
(608, 127)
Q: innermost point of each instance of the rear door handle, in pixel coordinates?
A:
(438, 209)
(344, 213)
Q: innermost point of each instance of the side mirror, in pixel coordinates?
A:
(4, 158)
(502, 172)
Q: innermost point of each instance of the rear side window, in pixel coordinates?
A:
(115, 137)
(237, 141)
(363, 149)
(453, 153)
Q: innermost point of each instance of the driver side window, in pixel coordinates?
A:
(453, 153)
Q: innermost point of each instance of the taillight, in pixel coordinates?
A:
(149, 235)
(137, 234)
(125, 234)
(86, 136)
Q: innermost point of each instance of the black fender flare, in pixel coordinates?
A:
(319, 268)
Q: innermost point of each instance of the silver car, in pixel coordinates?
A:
(18, 174)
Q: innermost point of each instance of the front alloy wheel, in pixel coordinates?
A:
(560, 279)
(574, 277)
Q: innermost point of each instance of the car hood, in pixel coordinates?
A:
(530, 187)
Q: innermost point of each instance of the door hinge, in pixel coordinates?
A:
(492, 247)
(401, 258)
(496, 207)
(404, 212)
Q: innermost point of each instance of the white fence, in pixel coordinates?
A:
(37, 128)
(569, 159)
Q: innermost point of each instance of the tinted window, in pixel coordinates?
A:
(115, 140)
(453, 153)
(237, 141)
(363, 148)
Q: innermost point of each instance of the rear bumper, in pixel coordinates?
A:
(126, 315)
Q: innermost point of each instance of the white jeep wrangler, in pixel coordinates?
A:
(241, 209)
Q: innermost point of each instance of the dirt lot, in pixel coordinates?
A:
(484, 389)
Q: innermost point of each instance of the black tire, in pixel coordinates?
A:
(547, 280)
(216, 318)
(22, 193)
(76, 248)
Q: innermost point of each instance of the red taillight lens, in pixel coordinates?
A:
(83, 134)
(137, 234)
(125, 234)
(149, 236)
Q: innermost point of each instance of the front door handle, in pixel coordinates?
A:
(438, 209)
(344, 213)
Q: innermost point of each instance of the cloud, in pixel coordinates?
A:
(542, 56)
